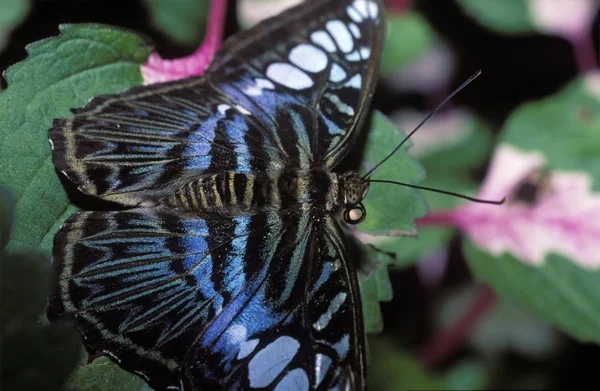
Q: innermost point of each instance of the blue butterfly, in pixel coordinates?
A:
(228, 268)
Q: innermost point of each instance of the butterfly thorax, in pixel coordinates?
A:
(241, 193)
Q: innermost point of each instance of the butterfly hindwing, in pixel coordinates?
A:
(300, 326)
(145, 285)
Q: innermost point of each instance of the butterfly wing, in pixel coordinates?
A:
(146, 285)
(307, 75)
(146, 142)
(291, 92)
(298, 328)
(164, 293)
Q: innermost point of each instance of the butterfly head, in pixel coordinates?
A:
(355, 190)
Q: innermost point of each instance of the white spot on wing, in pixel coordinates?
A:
(354, 14)
(355, 82)
(322, 363)
(365, 53)
(294, 380)
(242, 110)
(289, 76)
(353, 57)
(222, 108)
(309, 58)
(51, 144)
(334, 306)
(267, 364)
(343, 346)
(341, 35)
(337, 73)
(246, 348)
(237, 334)
(323, 39)
(260, 85)
(368, 9)
(355, 30)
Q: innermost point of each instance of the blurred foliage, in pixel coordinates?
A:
(12, 13)
(35, 355)
(393, 369)
(504, 16)
(184, 21)
(408, 36)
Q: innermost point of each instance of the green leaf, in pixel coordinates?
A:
(391, 210)
(102, 374)
(60, 73)
(375, 286)
(12, 13)
(565, 127)
(184, 21)
(408, 36)
(500, 15)
(392, 369)
(560, 292)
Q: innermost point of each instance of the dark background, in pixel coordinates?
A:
(516, 69)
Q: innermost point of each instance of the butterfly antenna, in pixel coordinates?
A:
(456, 91)
(440, 191)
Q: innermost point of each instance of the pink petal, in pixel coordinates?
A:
(565, 219)
(157, 69)
(566, 18)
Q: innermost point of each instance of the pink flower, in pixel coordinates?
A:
(560, 214)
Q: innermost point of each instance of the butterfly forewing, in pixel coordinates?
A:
(145, 143)
(307, 75)
(248, 297)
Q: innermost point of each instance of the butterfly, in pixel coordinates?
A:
(227, 266)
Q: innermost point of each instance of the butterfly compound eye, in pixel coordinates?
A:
(355, 214)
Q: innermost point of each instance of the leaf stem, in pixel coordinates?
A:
(444, 218)
(448, 341)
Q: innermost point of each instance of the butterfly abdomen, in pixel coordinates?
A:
(235, 193)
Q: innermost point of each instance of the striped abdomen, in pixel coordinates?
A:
(234, 193)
